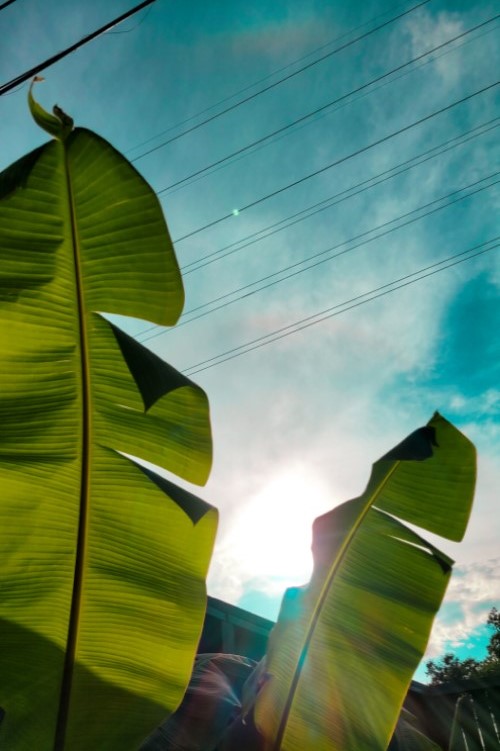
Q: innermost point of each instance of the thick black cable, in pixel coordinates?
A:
(277, 83)
(316, 263)
(261, 80)
(326, 106)
(343, 195)
(7, 2)
(341, 160)
(331, 312)
(60, 55)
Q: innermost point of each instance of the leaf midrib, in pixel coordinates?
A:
(321, 600)
(81, 545)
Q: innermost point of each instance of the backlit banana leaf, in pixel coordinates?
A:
(345, 647)
(476, 721)
(407, 736)
(102, 561)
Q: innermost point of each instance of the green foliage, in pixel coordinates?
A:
(103, 561)
(345, 647)
(452, 669)
(476, 722)
(408, 737)
(494, 644)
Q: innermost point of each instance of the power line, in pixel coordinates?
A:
(327, 203)
(385, 226)
(60, 55)
(354, 99)
(324, 107)
(280, 81)
(333, 311)
(15, 91)
(129, 31)
(341, 160)
(316, 263)
(343, 195)
(8, 2)
(261, 80)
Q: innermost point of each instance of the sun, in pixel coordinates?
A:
(271, 535)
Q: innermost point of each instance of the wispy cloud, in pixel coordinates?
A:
(427, 30)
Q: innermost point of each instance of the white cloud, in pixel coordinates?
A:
(474, 589)
(428, 30)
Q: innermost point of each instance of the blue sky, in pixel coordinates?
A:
(297, 423)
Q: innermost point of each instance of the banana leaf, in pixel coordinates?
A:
(103, 561)
(345, 647)
(476, 721)
(408, 737)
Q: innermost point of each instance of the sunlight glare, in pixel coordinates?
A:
(271, 535)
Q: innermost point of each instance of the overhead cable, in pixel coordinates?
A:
(342, 307)
(133, 28)
(261, 80)
(382, 230)
(340, 197)
(324, 107)
(60, 55)
(287, 133)
(7, 2)
(280, 81)
(341, 160)
(344, 195)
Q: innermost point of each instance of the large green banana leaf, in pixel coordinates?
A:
(408, 737)
(102, 561)
(345, 647)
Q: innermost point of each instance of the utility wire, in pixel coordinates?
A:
(261, 80)
(60, 55)
(324, 107)
(383, 230)
(328, 313)
(341, 160)
(277, 83)
(8, 2)
(320, 116)
(364, 234)
(16, 90)
(133, 28)
(322, 206)
(343, 195)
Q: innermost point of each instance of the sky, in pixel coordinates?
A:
(312, 373)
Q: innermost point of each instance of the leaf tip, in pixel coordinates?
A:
(416, 447)
(58, 124)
